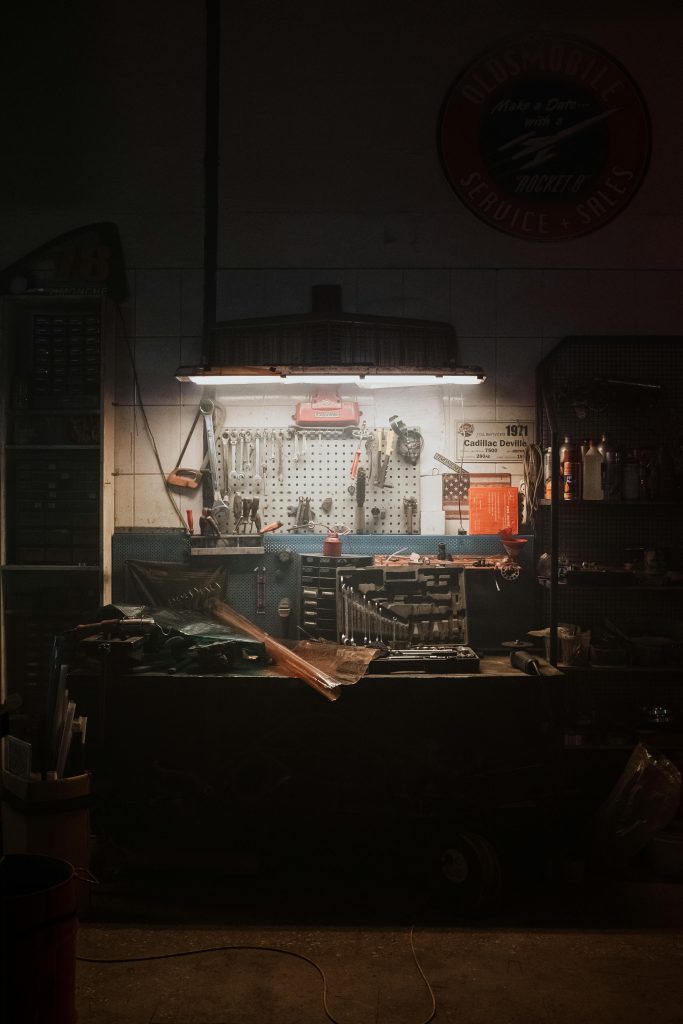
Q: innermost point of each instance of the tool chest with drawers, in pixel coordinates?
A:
(319, 583)
(57, 453)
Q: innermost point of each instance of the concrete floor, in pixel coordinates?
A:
(604, 951)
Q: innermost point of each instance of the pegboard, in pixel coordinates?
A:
(319, 469)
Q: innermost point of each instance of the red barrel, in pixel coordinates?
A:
(38, 925)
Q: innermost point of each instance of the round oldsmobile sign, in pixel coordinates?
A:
(545, 137)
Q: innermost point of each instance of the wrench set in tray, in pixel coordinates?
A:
(416, 615)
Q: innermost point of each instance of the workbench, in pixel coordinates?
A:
(206, 767)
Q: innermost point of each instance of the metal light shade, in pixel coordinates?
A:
(328, 346)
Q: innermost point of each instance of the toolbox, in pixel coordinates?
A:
(410, 606)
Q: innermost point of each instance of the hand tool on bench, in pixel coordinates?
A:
(219, 509)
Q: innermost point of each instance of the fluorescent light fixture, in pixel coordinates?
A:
(361, 376)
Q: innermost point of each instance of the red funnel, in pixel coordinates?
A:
(512, 545)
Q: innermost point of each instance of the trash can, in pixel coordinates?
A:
(51, 818)
(38, 925)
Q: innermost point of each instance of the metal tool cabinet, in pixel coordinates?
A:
(57, 461)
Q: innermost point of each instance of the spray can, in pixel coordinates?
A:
(548, 473)
(571, 470)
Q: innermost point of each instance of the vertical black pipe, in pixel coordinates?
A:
(211, 141)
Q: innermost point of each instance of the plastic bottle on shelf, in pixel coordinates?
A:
(593, 474)
(630, 478)
(610, 480)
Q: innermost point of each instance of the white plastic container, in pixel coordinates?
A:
(593, 474)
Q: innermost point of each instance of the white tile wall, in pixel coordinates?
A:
(611, 303)
(124, 500)
(157, 302)
(380, 292)
(241, 293)
(565, 297)
(347, 278)
(124, 388)
(479, 351)
(152, 504)
(659, 302)
(516, 362)
(519, 304)
(505, 320)
(288, 291)
(191, 302)
(157, 360)
(194, 453)
(125, 429)
(158, 239)
(164, 423)
(427, 294)
(190, 355)
(473, 302)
